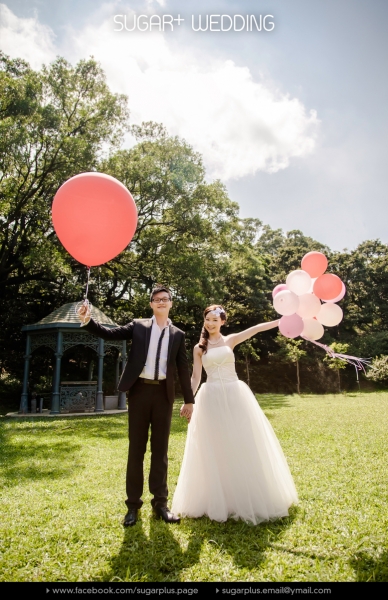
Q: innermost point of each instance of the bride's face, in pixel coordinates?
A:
(212, 323)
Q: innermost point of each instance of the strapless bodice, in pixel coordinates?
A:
(219, 365)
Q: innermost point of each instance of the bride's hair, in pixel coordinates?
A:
(204, 333)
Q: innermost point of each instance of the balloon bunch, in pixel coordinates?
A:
(307, 302)
(299, 299)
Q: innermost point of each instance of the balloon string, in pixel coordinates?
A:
(87, 284)
(358, 363)
(84, 315)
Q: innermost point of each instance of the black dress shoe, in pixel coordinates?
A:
(162, 512)
(130, 518)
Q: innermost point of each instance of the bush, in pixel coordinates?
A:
(378, 370)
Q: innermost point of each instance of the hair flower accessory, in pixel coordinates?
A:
(216, 311)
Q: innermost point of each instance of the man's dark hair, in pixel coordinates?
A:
(159, 288)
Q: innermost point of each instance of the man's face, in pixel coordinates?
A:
(161, 304)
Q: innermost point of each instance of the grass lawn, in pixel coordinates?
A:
(62, 498)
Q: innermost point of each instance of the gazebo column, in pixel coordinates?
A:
(55, 403)
(100, 394)
(122, 405)
(24, 398)
(117, 378)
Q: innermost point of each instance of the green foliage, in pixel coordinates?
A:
(290, 349)
(378, 370)
(336, 364)
(284, 252)
(370, 345)
(183, 228)
(364, 271)
(247, 350)
(53, 124)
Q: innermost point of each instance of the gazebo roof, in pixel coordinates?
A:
(66, 317)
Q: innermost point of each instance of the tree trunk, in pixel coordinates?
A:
(339, 380)
(297, 376)
(247, 368)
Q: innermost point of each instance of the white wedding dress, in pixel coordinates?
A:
(233, 464)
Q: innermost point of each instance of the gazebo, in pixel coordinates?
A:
(60, 331)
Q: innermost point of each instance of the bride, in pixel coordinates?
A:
(233, 464)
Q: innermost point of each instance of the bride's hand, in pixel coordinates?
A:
(186, 411)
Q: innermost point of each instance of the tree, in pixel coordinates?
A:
(291, 351)
(247, 350)
(54, 124)
(336, 364)
(364, 272)
(378, 370)
(186, 229)
(284, 252)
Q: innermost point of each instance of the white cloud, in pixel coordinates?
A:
(160, 2)
(26, 38)
(240, 126)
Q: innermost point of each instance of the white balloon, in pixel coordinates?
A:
(309, 306)
(312, 329)
(330, 314)
(298, 282)
(286, 303)
(311, 290)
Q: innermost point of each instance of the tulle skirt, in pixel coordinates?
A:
(233, 464)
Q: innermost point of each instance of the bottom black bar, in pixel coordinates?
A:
(186, 589)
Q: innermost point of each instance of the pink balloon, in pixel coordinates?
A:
(339, 297)
(94, 217)
(279, 288)
(291, 326)
(315, 263)
(327, 286)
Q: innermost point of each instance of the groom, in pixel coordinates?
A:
(157, 348)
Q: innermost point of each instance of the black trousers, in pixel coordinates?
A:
(148, 410)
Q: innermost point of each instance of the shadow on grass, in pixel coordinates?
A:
(161, 557)
(367, 568)
(268, 401)
(48, 448)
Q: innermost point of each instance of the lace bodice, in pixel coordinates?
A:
(219, 364)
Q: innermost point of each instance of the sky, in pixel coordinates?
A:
(292, 118)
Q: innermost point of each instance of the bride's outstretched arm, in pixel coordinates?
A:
(237, 338)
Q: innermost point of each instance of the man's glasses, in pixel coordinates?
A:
(159, 300)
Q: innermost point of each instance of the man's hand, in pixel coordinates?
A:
(84, 310)
(187, 411)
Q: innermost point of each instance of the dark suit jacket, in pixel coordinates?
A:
(139, 331)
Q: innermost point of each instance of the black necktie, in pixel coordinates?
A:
(156, 372)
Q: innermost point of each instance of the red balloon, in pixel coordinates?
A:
(327, 286)
(315, 263)
(94, 217)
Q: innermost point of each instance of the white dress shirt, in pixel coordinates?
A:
(149, 368)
